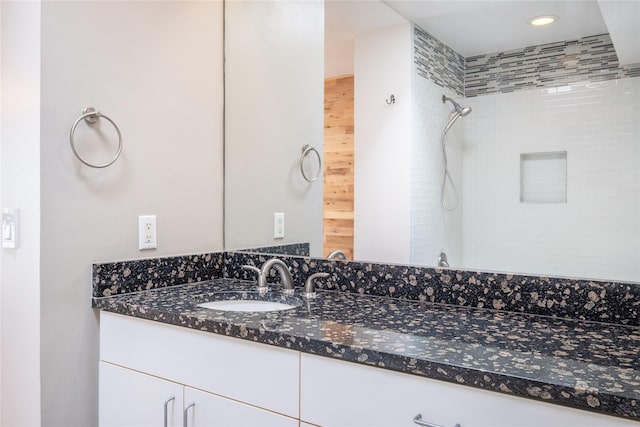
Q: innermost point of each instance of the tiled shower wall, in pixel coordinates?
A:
(568, 96)
(596, 232)
(439, 71)
(433, 229)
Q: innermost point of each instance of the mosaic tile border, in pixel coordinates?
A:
(590, 58)
(437, 62)
(599, 301)
(113, 278)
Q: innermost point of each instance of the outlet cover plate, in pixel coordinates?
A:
(147, 232)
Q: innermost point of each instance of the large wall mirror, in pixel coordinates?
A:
(450, 133)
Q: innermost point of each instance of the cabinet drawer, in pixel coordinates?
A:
(338, 394)
(258, 374)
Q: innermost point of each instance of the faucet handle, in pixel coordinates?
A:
(309, 286)
(262, 281)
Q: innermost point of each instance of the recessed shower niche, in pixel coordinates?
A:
(543, 177)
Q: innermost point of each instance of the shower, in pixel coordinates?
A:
(456, 113)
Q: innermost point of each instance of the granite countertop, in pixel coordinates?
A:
(586, 365)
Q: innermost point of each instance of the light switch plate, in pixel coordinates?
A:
(278, 225)
(10, 228)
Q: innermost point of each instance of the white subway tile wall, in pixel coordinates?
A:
(596, 233)
(583, 104)
(433, 229)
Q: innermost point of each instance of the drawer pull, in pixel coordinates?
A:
(418, 420)
(185, 416)
(166, 411)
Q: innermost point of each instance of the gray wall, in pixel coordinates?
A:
(274, 91)
(156, 69)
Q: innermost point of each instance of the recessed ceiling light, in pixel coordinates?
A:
(539, 21)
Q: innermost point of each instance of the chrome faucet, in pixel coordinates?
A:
(337, 254)
(442, 260)
(285, 274)
(262, 281)
(310, 287)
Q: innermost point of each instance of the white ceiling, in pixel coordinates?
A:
(623, 20)
(480, 26)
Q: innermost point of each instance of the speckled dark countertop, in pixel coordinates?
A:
(586, 365)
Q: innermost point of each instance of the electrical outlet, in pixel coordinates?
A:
(147, 236)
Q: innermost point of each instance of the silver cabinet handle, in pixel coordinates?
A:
(166, 410)
(418, 420)
(185, 415)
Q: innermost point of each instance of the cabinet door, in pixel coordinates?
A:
(209, 410)
(336, 393)
(132, 399)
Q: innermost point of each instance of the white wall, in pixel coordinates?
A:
(433, 228)
(20, 182)
(596, 234)
(338, 58)
(274, 95)
(383, 64)
(156, 69)
(1, 207)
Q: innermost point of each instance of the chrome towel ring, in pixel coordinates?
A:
(306, 150)
(91, 116)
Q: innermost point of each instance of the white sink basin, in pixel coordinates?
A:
(250, 302)
(246, 305)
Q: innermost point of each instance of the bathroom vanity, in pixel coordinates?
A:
(345, 359)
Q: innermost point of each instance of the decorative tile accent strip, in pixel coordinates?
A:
(610, 302)
(438, 62)
(590, 58)
(138, 275)
(299, 249)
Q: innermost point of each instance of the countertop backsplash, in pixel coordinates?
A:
(582, 299)
(122, 277)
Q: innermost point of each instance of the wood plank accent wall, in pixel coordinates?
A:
(338, 166)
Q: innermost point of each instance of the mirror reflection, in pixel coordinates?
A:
(509, 148)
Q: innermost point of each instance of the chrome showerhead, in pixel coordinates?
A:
(454, 116)
(463, 111)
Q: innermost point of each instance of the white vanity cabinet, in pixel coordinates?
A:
(232, 382)
(337, 393)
